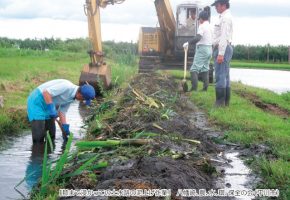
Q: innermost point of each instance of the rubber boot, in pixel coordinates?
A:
(204, 77)
(228, 96)
(194, 81)
(220, 97)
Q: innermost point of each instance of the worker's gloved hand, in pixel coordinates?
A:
(52, 110)
(65, 128)
(185, 45)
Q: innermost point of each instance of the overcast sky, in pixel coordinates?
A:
(255, 21)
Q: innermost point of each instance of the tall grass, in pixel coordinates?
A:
(53, 171)
(246, 124)
(51, 175)
(21, 70)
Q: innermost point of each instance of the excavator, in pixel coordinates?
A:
(159, 47)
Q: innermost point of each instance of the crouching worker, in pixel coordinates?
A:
(203, 52)
(50, 101)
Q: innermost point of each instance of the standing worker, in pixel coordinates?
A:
(51, 100)
(203, 52)
(223, 52)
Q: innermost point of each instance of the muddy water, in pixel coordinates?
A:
(20, 158)
(236, 175)
(274, 80)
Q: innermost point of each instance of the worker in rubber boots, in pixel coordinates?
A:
(223, 52)
(51, 100)
(203, 52)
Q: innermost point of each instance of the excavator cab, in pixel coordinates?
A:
(167, 40)
(186, 27)
(162, 47)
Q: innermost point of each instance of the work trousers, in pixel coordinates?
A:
(39, 129)
(222, 71)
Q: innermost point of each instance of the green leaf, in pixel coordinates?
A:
(81, 168)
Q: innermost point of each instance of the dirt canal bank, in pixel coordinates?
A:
(179, 151)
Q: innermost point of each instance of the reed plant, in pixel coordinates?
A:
(51, 174)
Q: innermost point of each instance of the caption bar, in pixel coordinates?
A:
(167, 192)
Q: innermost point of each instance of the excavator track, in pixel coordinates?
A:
(149, 64)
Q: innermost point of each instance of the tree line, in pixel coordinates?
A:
(71, 45)
(266, 53)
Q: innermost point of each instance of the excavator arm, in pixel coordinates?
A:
(97, 72)
(92, 11)
(167, 24)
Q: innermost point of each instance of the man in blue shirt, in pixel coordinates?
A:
(51, 100)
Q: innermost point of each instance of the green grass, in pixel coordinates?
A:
(246, 124)
(259, 65)
(21, 73)
(23, 70)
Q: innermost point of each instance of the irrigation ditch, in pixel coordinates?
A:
(148, 136)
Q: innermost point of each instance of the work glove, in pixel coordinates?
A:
(65, 128)
(52, 110)
(185, 45)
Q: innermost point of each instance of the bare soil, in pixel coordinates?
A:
(267, 107)
(173, 161)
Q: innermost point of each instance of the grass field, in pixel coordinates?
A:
(259, 65)
(246, 124)
(23, 70)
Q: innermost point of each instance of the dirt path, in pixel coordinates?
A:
(183, 154)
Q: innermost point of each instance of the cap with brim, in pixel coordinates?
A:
(88, 93)
(219, 1)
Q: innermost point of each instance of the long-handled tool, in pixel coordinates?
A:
(184, 83)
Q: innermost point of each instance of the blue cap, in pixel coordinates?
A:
(88, 93)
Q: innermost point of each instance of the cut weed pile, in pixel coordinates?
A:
(148, 140)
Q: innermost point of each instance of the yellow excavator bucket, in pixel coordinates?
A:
(97, 76)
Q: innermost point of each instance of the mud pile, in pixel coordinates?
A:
(178, 158)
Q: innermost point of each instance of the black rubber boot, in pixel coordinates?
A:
(228, 96)
(194, 81)
(220, 97)
(204, 77)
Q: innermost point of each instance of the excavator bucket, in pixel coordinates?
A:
(99, 77)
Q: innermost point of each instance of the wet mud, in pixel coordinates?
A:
(183, 154)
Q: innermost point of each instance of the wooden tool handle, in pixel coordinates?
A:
(185, 63)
